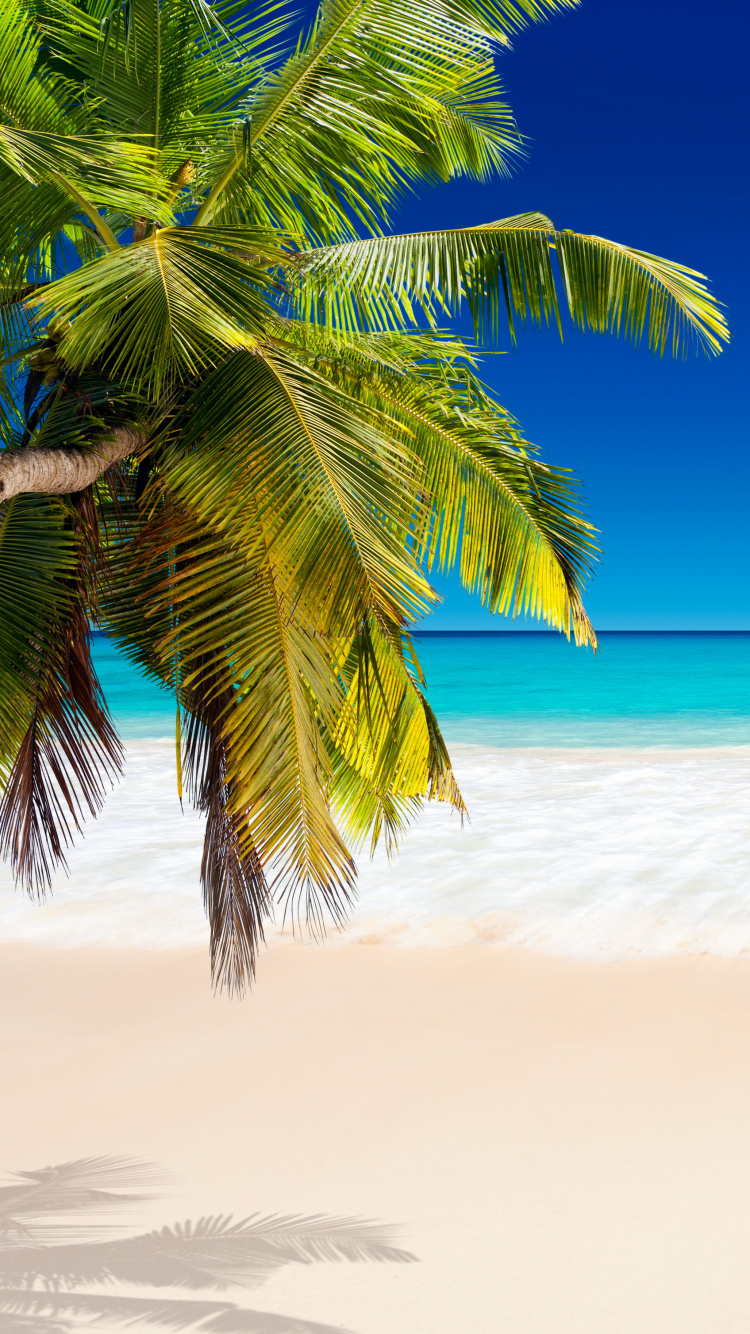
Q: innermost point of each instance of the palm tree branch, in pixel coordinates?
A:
(377, 282)
(404, 83)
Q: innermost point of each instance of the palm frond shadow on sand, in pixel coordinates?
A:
(65, 1247)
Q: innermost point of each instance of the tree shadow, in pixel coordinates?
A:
(64, 1238)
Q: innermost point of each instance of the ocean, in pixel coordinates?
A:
(608, 796)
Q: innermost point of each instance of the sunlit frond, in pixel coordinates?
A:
(504, 271)
(387, 753)
(510, 522)
(335, 493)
(160, 74)
(378, 95)
(170, 305)
(247, 668)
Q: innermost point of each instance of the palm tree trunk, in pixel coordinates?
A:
(60, 471)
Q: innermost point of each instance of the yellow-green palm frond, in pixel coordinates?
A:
(48, 133)
(335, 493)
(160, 72)
(218, 625)
(511, 522)
(378, 95)
(187, 297)
(488, 504)
(387, 754)
(504, 270)
(27, 101)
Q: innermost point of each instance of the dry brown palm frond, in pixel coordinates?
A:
(235, 890)
(70, 755)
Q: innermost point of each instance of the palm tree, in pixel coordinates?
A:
(238, 431)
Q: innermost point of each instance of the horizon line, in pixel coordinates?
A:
(557, 634)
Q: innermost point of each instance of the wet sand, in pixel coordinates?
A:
(564, 1148)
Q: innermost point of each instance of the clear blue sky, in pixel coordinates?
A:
(636, 115)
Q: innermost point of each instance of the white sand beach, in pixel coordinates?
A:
(563, 1147)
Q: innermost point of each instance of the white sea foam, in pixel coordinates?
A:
(589, 853)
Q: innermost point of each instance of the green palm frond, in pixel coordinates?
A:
(505, 269)
(91, 172)
(138, 605)
(36, 226)
(512, 523)
(27, 100)
(188, 300)
(49, 134)
(247, 668)
(378, 95)
(265, 431)
(37, 558)
(158, 78)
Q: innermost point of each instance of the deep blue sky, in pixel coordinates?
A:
(636, 117)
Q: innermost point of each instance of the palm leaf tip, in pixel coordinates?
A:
(616, 288)
(387, 753)
(235, 891)
(68, 760)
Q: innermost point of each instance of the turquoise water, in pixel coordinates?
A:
(513, 689)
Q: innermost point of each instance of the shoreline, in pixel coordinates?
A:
(159, 743)
(575, 853)
(562, 1146)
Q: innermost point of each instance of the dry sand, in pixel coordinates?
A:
(564, 1147)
